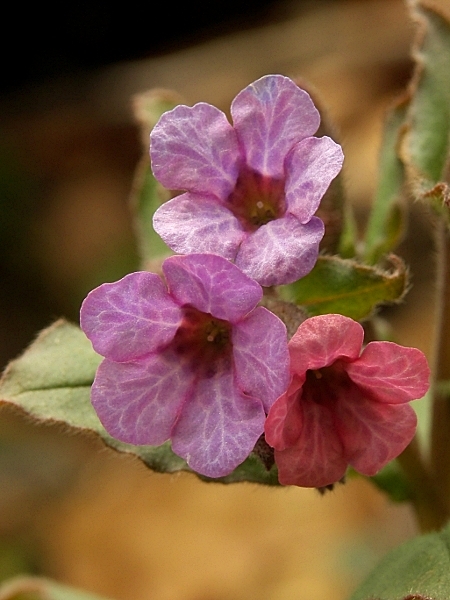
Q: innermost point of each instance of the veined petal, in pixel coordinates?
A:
(191, 223)
(195, 149)
(270, 116)
(261, 356)
(131, 317)
(212, 285)
(319, 341)
(391, 373)
(317, 458)
(372, 433)
(281, 251)
(218, 427)
(311, 166)
(138, 402)
(284, 421)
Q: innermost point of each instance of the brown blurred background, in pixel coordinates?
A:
(68, 148)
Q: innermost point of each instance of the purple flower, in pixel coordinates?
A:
(192, 360)
(252, 188)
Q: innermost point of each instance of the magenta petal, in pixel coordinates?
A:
(195, 149)
(281, 251)
(317, 458)
(319, 341)
(311, 166)
(270, 116)
(131, 317)
(212, 285)
(218, 427)
(373, 433)
(191, 223)
(261, 356)
(138, 402)
(391, 373)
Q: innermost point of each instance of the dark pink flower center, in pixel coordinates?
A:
(257, 199)
(202, 339)
(325, 386)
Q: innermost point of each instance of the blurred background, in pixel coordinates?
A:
(70, 509)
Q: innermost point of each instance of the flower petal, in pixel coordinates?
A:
(372, 433)
(212, 285)
(311, 166)
(191, 223)
(281, 251)
(195, 149)
(218, 427)
(319, 341)
(270, 116)
(317, 458)
(138, 402)
(284, 421)
(391, 373)
(131, 317)
(261, 356)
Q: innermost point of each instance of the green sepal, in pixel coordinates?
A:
(345, 287)
(39, 588)
(51, 383)
(416, 570)
(426, 145)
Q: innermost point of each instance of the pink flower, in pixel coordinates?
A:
(192, 360)
(343, 407)
(252, 188)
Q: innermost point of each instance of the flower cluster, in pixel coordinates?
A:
(192, 358)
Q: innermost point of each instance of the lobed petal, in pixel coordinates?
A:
(195, 149)
(212, 285)
(317, 457)
(218, 426)
(311, 166)
(131, 317)
(284, 421)
(391, 373)
(372, 433)
(281, 251)
(191, 223)
(321, 340)
(138, 402)
(261, 357)
(270, 116)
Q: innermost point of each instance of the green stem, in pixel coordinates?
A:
(440, 432)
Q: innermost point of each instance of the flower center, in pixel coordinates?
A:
(202, 339)
(325, 385)
(257, 199)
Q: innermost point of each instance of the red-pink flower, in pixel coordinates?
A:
(343, 406)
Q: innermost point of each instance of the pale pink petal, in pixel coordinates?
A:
(317, 458)
(212, 285)
(218, 427)
(195, 149)
(320, 341)
(281, 251)
(191, 223)
(311, 166)
(391, 373)
(261, 356)
(284, 422)
(131, 317)
(138, 402)
(270, 116)
(372, 433)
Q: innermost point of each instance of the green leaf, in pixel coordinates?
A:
(51, 383)
(386, 221)
(147, 194)
(426, 145)
(336, 285)
(37, 588)
(392, 480)
(419, 569)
